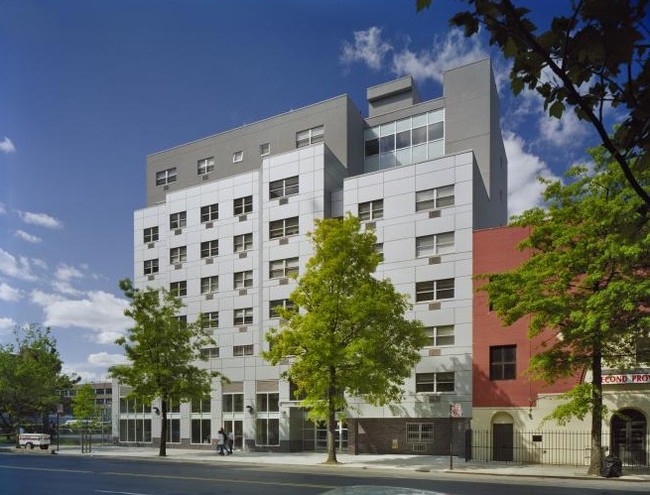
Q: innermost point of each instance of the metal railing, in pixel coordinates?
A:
(560, 447)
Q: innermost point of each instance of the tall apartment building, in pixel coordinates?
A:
(226, 223)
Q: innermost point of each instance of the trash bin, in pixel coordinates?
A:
(612, 467)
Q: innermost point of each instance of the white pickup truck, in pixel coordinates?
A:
(31, 440)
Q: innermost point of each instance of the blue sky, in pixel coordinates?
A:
(89, 88)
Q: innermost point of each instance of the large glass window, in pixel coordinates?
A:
(503, 362)
(233, 402)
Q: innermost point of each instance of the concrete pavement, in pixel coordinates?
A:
(417, 463)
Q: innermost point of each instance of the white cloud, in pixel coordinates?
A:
(39, 263)
(6, 325)
(106, 359)
(98, 311)
(21, 234)
(452, 51)
(40, 219)
(9, 294)
(565, 132)
(65, 288)
(367, 48)
(3, 210)
(524, 190)
(6, 146)
(15, 267)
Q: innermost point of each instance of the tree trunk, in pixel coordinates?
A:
(331, 420)
(163, 429)
(596, 462)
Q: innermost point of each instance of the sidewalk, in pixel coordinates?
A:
(416, 463)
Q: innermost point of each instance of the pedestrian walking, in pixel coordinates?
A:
(231, 441)
(221, 442)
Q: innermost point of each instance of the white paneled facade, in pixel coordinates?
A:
(228, 245)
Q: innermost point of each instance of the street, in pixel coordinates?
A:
(76, 475)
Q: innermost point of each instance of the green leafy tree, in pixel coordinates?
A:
(592, 56)
(31, 377)
(349, 336)
(83, 404)
(585, 285)
(162, 351)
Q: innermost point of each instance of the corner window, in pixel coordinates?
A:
(310, 136)
(371, 210)
(166, 176)
(237, 156)
(503, 362)
(204, 166)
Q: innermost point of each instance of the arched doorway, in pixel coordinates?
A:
(628, 434)
(503, 437)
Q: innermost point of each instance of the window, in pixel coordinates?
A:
(371, 210)
(379, 248)
(150, 267)
(265, 149)
(267, 402)
(434, 290)
(232, 402)
(440, 335)
(210, 249)
(209, 353)
(434, 382)
(242, 350)
(267, 431)
(178, 289)
(150, 234)
(430, 199)
(209, 213)
(429, 245)
(209, 285)
(182, 319)
(177, 220)
(244, 205)
(419, 432)
(279, 303)
(243, 316)
(242, 280)
(283, 228)
(243, 242)
(210, 319)
(173, 430)
(237, 156)
(166, 176)
(283, 187)
(138, 427)
(177, 255)
(503, 362)
(205, 165)
(283, 268)
(310, 136)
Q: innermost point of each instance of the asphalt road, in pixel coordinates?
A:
(75, 475)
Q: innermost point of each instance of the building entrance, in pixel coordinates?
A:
(236, 426)
(629, 433)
